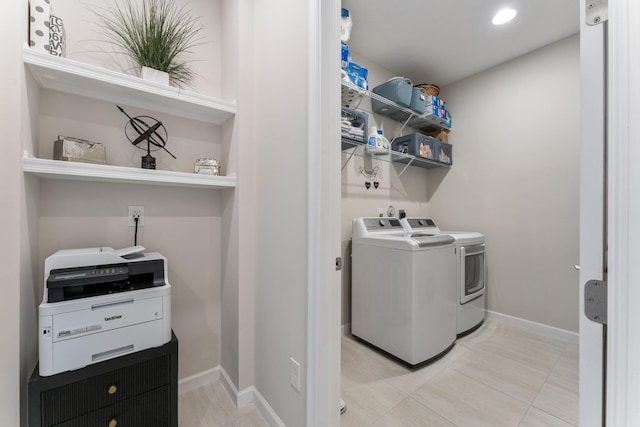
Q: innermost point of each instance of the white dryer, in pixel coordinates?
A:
(471, 277)
(402, 301)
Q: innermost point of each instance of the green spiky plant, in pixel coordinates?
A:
(154, 33)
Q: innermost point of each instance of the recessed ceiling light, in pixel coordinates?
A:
(504, 16)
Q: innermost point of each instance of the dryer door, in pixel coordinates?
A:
(472, 272)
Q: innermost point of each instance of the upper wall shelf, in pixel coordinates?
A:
(352, 96)
(65, 75)
(57, 169)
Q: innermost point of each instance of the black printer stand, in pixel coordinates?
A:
(138, 390)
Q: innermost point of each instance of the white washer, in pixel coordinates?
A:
(402, 301)
(471, 278)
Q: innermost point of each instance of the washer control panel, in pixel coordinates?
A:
(374, 224)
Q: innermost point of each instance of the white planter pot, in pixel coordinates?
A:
(154, 75)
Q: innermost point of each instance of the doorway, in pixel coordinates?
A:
(502, 198)
(624, 100)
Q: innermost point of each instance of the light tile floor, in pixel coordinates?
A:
(211, 406)
(496, 376)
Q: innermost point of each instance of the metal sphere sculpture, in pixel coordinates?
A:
(145, 128)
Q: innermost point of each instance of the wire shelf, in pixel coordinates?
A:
(352, 97)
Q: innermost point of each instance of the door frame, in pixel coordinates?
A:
(592, 220)
(324, 204)
(623, 345)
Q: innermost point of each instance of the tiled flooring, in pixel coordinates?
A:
(497, 376)
(211, 406)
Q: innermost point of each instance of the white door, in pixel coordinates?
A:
(620, 390)
(592, 218)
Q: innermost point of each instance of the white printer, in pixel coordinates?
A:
(100, 303)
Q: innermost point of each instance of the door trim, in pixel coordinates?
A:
(592, 130)
(323, 238)
(623, 347)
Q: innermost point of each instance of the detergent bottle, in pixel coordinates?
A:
(382, 143)
(372, 141)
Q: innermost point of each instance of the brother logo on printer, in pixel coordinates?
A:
(119, 316)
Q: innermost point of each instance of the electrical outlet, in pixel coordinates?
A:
(294, 373)
(136, 211)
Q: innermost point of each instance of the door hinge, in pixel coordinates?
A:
(596, 12)
(338, 263)
(595, 301)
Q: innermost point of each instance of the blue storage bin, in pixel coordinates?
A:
(418, 105)
(387, 110)
(400, 115)
(411, 144)
(398, 90)
(418, 100)
(357, 130)
(444, 152)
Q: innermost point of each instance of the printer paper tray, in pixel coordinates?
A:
(82, 351)
(106, 315)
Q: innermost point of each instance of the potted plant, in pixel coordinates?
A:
(154, 33)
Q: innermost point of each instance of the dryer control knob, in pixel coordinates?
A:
(391, 210)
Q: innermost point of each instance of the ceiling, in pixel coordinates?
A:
(443, 41)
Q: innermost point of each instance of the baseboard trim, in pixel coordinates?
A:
(250, 395)
(346, 329)
(231, 388)
(245, 396)
(539, 328)
(516, 322)
(265, 409)
(198, 380)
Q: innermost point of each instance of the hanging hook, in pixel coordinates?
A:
(370, 175)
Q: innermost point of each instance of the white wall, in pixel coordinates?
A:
(515, 179)
(12, 367)
(229, 297)
(239, 236)
(86, 42)
(280, 126)
(246, 193)
(30, 271)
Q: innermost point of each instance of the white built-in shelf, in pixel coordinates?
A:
(56, 169)
(65, 75)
